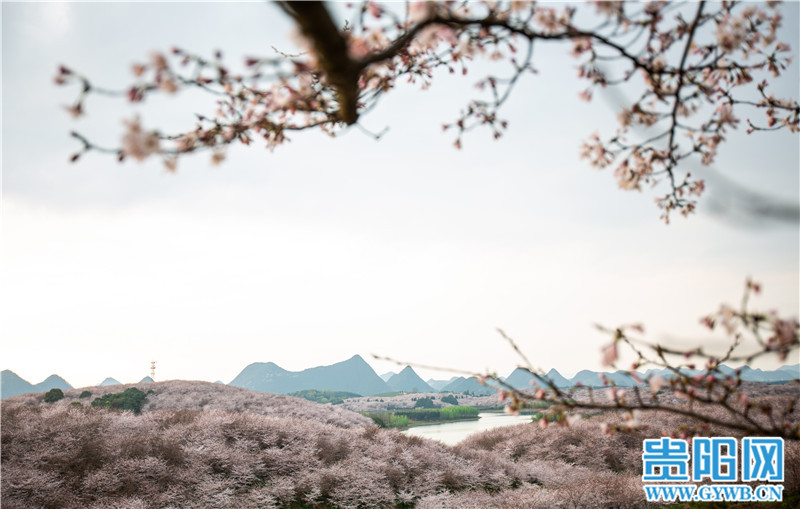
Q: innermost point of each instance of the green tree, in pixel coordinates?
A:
(53, 395)
(450, 399)
(424, 403)
(130, 399)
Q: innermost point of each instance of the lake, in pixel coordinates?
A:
(451, 433)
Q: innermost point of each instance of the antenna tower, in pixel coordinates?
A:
(153, 370)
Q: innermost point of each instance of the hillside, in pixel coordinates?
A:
(324, 397)
(353, 375)
(57, 455)
(409, 400)
(206, 396)
(238, 449)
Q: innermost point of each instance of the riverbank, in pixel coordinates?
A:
(403, 419)
(453, 432)
(417, 424)
(407, 418)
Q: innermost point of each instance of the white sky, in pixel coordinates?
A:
(327, 248)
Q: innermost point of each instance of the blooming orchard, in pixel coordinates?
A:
(198, 444)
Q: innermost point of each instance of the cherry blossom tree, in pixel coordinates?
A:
(694, 72)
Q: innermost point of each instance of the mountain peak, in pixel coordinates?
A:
(264, 367)
(408, 381)
(52, 382)
(356, 359)
(521, 378)
(11, 384)
(7, 373)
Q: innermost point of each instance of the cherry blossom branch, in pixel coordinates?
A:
(674, 115)
(618, 401)
(330, 48)
(711, 387)
(345, 72)
(702, 392)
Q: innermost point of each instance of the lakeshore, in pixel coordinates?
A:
(453, 432)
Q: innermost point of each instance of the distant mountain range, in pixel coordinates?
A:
(462, 384)
(438, 385)
(522, 379)
(12, 384)
(356, 376)
(352, 375)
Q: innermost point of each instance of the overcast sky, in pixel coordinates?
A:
(327, 248)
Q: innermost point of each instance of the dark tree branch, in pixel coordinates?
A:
(681, 74)
(330, 46)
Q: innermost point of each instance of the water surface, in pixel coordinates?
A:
(451, 433)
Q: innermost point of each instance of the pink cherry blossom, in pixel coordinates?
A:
(137, 143)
